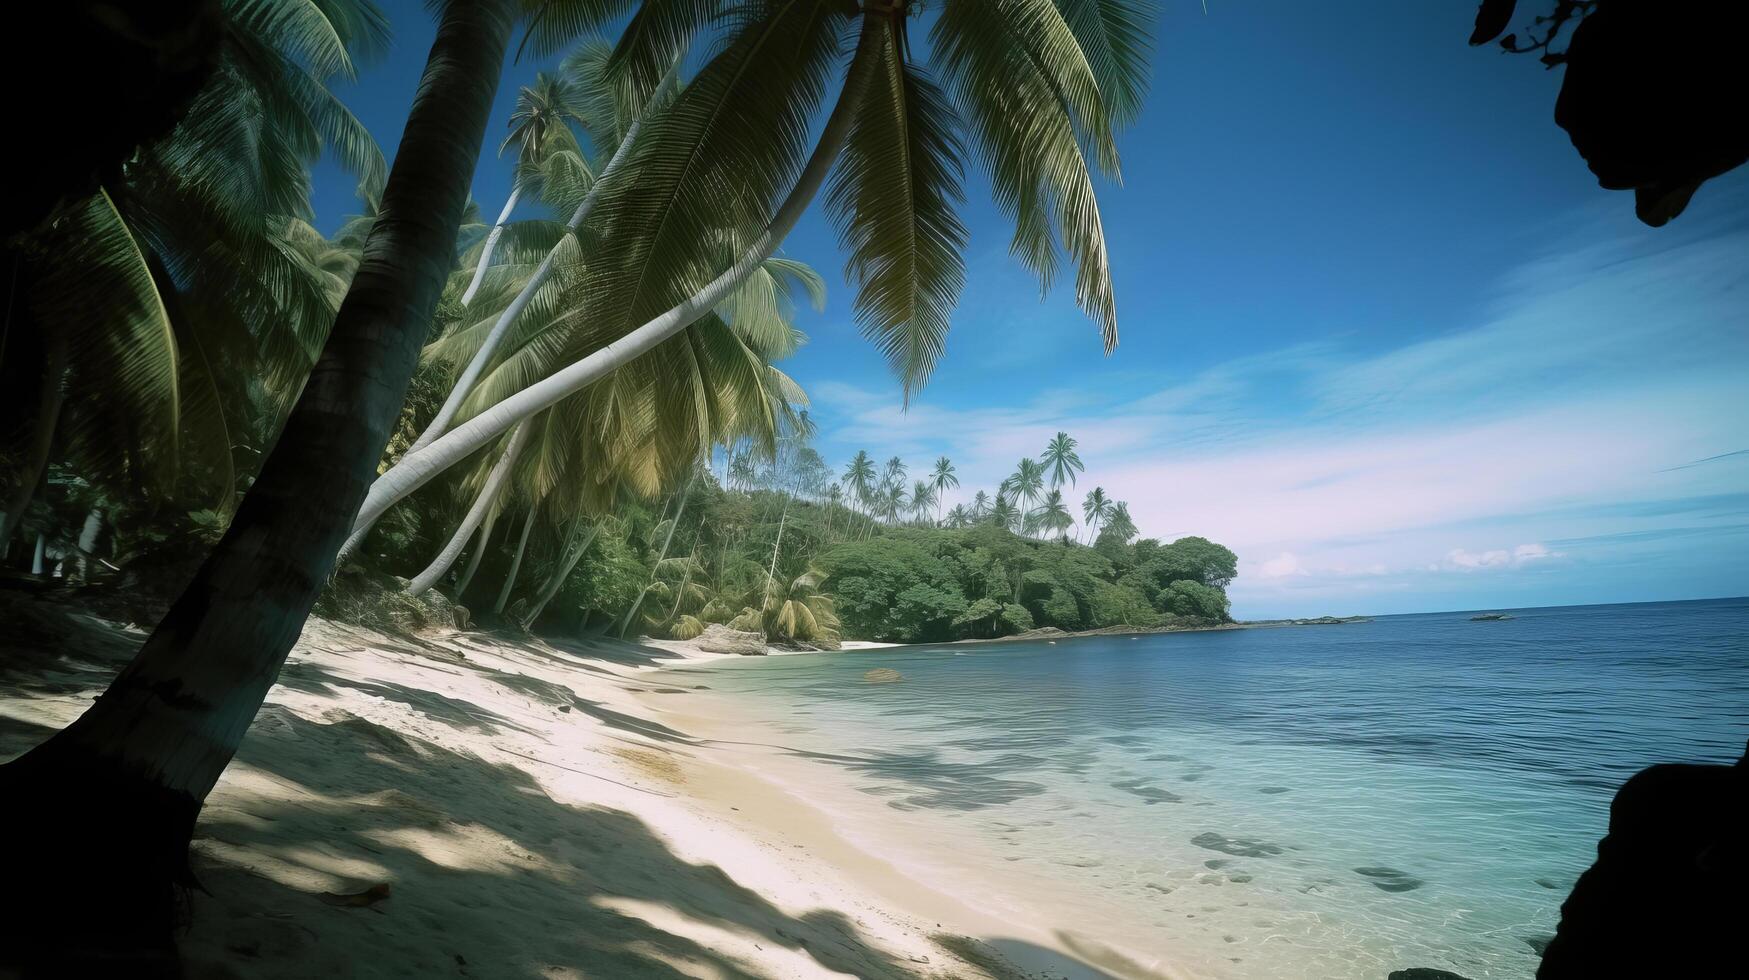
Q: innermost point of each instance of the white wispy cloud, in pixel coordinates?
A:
(1574, 409)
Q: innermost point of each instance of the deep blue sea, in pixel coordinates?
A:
(1322, 801)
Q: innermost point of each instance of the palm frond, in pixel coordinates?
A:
(894, 197)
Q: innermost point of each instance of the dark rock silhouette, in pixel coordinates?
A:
(1665, 897)
(1652, 97)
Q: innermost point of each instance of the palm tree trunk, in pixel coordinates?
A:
(556, 581)
(98, 818)
(458, 393)
(491, 246)
(38, 557)
(481, 542)
(48, 417)
(680, 594)
(465, 383)
(515, 563)
(667, 540)
(416, 469)
(487, 499)
(771, 574)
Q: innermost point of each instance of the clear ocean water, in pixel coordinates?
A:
(1323, 801)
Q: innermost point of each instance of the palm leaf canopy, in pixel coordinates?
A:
(1032, 90)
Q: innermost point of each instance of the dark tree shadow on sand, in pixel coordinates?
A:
(517, 883)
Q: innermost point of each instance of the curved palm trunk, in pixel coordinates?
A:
(662, 555)
(491, 245)
(482, 540)
(680, 594)
(483, 504)
(417, 468)
(771, 575)
(470, 374)
(48, 417)
(556, 581)
(99, 817)
(515, 564)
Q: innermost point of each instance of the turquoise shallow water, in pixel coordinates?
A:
(1312, 801)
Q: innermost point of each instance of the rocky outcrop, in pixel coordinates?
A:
(718, 638)
(1665, 897)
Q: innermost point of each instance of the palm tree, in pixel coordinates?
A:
(1094, 509)
(113, 797)
(922, 499)
(1026, 484)
(1037, 92)
(191, 270)
(980, 505)
(796, 609)
(943, 480)
(1053, 515)
(543, 110)
(959, 517)
(587, 58)
(893, 502)
(696, 387)
(1061, 459)
(1119, 523)
(895, 471)
(1004, 514)
(859, 476)
(834, 501)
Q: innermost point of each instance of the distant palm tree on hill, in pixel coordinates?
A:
(859, 476)
(1061, 460)
(1025, 486)
(1053, 515)
(943, 479)
(923, 498)
(1094, 509)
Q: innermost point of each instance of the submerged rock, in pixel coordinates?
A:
(1424, 973)
(882, 675)
(1236, 846)
(1390, 879)
(1539, 943)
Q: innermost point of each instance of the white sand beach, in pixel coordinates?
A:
(493, 806)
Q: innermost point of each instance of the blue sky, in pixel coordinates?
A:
(1380, 332)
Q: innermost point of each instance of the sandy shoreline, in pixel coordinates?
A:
(536, 809)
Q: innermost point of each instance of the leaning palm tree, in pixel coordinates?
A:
(114, 796)
(586, 66)
(1095, 509)
(958, 517)
(980, 505)
(943, 479)
(543, 110)
(1060, 458)
(1032, 90)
